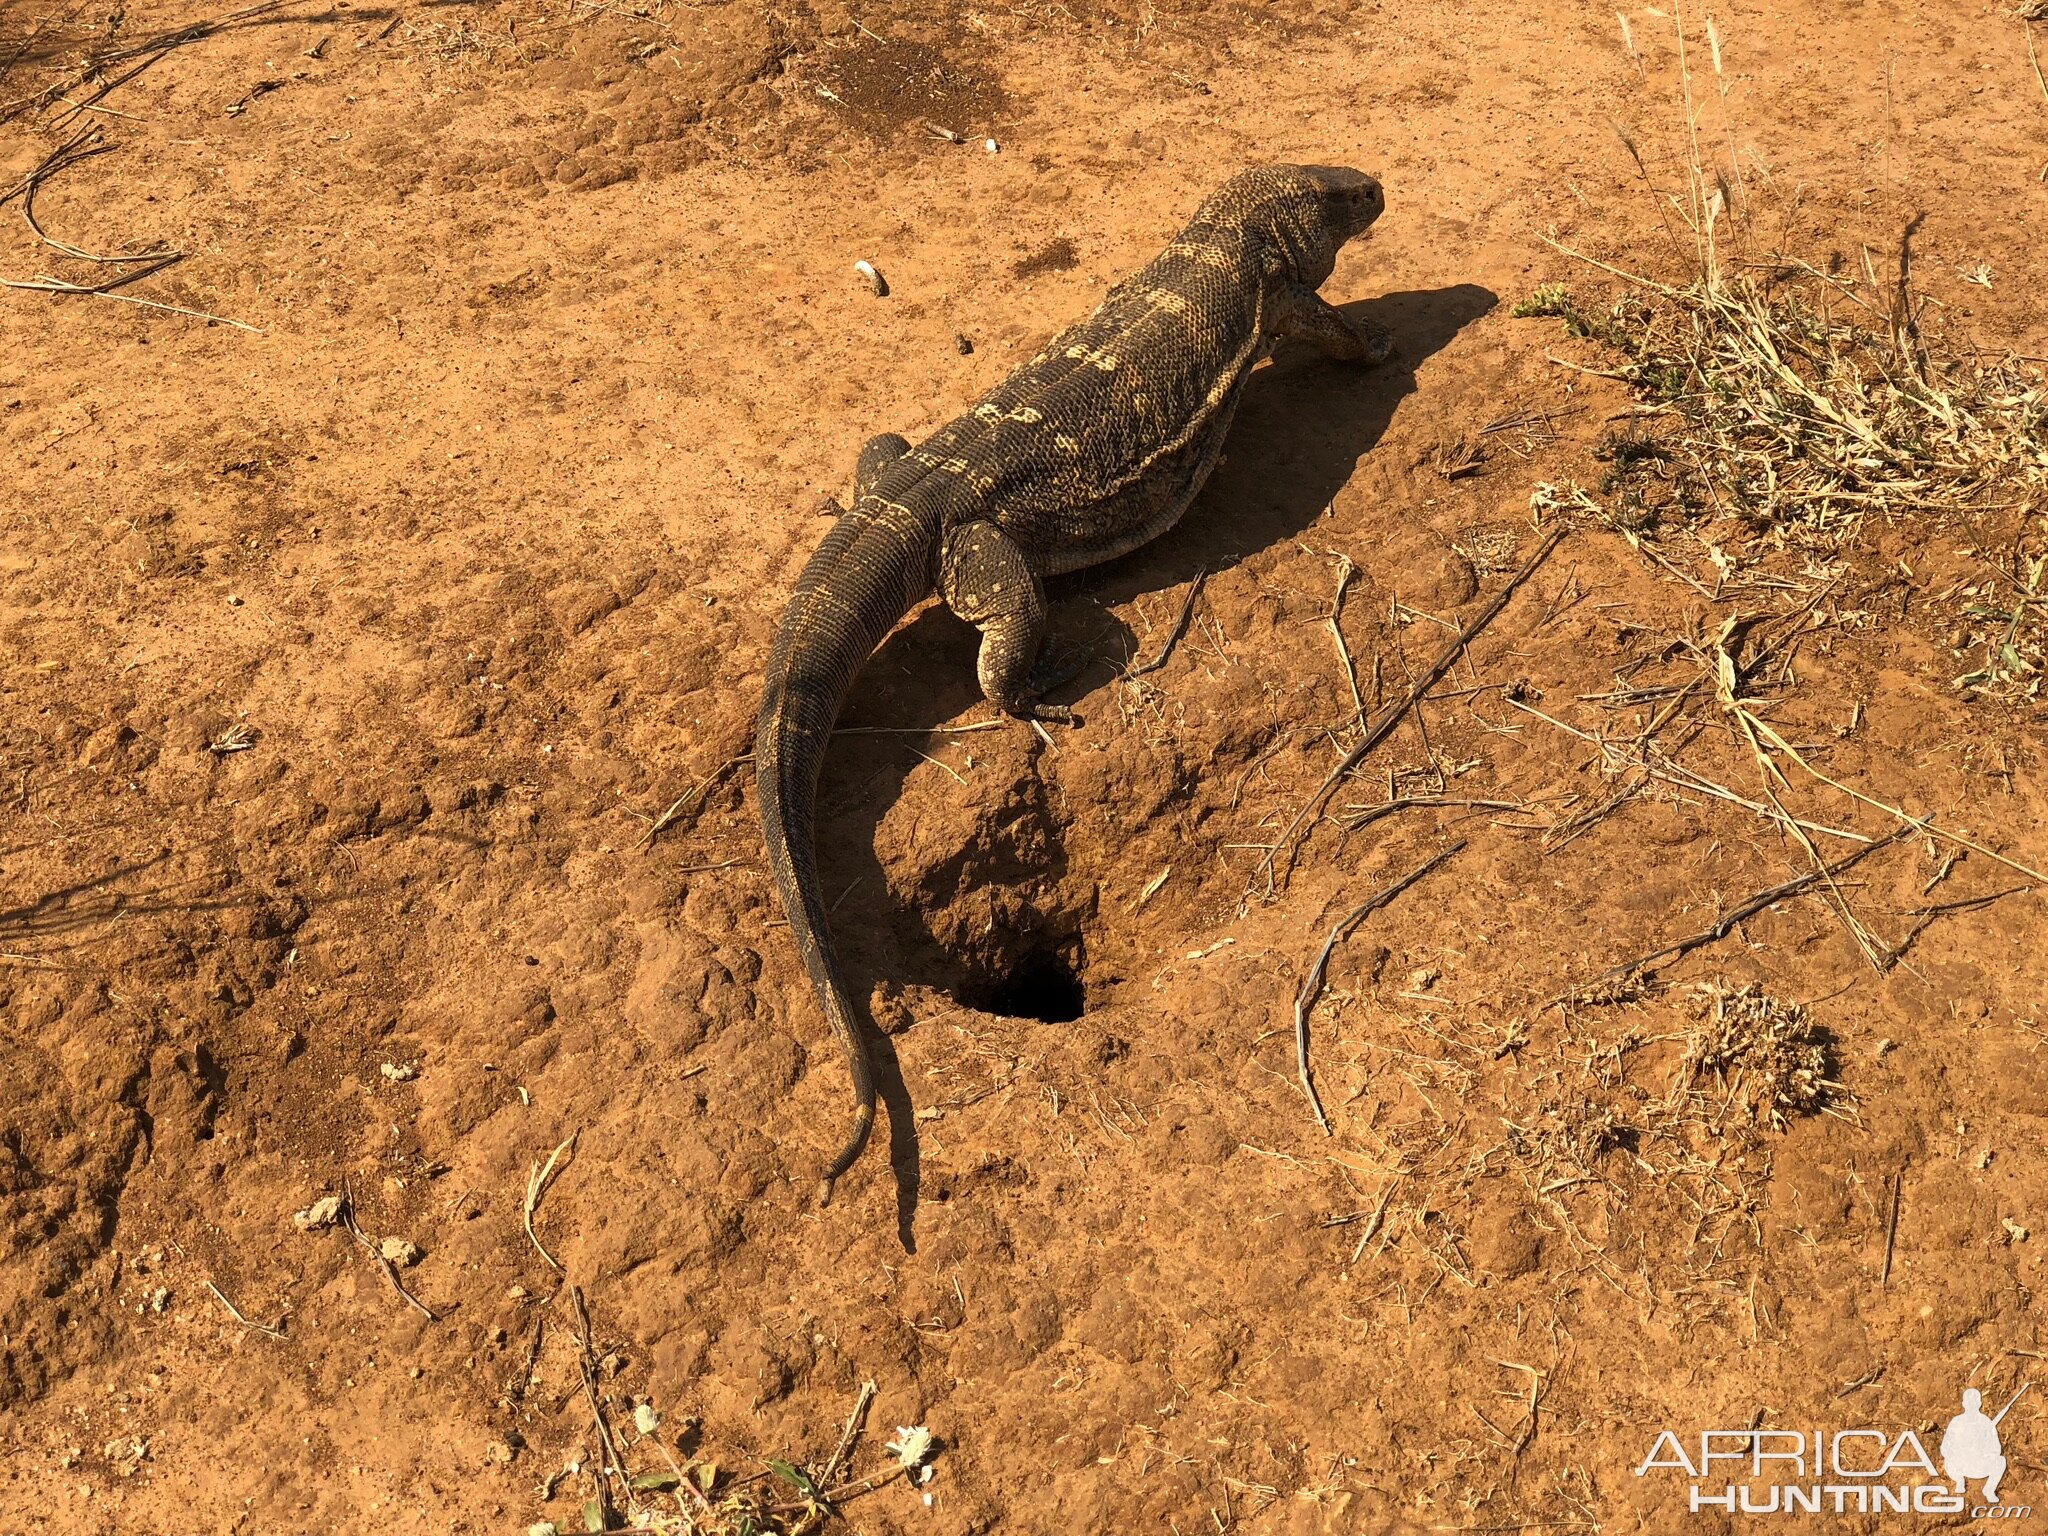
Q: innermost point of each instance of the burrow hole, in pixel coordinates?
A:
(1042, 982)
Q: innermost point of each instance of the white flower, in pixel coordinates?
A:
(645, 1419)
(912, 1444)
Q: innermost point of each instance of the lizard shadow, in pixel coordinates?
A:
(1303, 425)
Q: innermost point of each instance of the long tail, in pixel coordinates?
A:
(864, 577)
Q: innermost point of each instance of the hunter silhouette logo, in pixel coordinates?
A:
(1970, 1448)
(1844, 1471)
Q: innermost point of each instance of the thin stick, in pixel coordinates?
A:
(77, 141)
(1312, 986)
(1912, 823)
(1683, 778)
(537, 1180)
(1393, 715)
(1891, 1229)
(82, 147)
(43, 284)
(853, 1423)
(846, 1491)
(348, 1217)
(268, 1330)
(156, 48)
(685, 801)
(517, 1388)
(587, 1361)
(1373, 813)
(1725, 923)
(1180, 627)
(1594, 261)
(2010, 1401)
(1927, 915)
(1345, 571)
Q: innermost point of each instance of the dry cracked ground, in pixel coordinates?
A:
(351, 652)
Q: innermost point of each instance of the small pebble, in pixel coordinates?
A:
(399, 1071)
(964, 346)
(396, 1250)
(989, 145)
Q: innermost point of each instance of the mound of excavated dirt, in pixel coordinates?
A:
(348, 663)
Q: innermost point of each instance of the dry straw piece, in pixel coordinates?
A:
(1773, 404)
(1792, 400)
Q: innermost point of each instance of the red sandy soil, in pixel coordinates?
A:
(478, 543)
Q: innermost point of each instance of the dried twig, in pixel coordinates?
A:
(853, 1423)
(1393, 715)
(390, 1270)
(148, 51)
(45, 284)
(268, 1330)
(538, 1178)
(1180, 627)
(1312, 985)
(587, 1364)
(1891, 1226)
(692, 798)
(1725, 923)
(1345, 571)
(81, 147)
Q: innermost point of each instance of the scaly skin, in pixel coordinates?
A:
(1094, 447)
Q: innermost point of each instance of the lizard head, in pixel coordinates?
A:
(1350, 200)
(1304, 213)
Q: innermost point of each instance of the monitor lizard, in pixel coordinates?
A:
(1093, 448)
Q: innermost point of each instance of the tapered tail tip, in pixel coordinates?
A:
(863, 1124)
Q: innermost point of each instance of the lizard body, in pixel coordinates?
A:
(1093, 448)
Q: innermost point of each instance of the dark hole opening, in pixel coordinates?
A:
(1042, 985)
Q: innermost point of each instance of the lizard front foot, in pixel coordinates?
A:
(1376, 342)
(1031, 709)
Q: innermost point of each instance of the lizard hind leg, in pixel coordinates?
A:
(988, 580)
(876, 455)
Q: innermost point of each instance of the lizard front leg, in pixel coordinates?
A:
(1307, 316)
(987, 579)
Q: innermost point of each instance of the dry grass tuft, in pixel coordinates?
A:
(1770, 1054)
(1788, 401)
(1796, 403)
